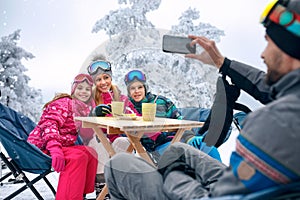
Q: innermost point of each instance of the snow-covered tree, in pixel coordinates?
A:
(15, 91)
(132, 18)
(137, 45)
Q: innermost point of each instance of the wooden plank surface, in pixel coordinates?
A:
(136, 125)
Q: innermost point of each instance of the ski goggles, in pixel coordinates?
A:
(99, 64)
(134, 75)
(279, 14)
(83, 77)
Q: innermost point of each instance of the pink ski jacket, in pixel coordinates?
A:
(56, 124)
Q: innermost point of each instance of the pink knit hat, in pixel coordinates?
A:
(79, 79)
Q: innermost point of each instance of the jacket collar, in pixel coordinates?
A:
(138, 105)
(287, 84)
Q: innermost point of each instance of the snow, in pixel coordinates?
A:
(42, 188)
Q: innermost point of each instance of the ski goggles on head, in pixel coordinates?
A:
(279, 14)
(83, 77)
(134, 75)
(99, 64)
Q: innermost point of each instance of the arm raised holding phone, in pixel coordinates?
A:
(211, 55)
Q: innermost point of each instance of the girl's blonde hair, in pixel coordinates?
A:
(58, 96)
(98, 98)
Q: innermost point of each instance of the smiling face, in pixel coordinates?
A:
(137, 91)
(103, 82)
(83, 91)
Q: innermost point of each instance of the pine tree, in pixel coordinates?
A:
(132, 18)
(15, 91)
(137, 45)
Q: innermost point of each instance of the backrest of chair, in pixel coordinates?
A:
(194, 114)
(22, 125)
(14, 130)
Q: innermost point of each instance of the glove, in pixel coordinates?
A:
(196, 141)
(58, 158)
(101, 110)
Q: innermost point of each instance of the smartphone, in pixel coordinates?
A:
(177, 44)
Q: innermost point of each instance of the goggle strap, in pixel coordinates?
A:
(83, 77)
(82, 80)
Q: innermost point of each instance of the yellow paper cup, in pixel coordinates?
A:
(148, 111)
(117, 108)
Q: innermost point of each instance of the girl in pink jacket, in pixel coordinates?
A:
(56, 133)
(83, 103)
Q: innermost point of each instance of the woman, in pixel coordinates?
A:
(104, 93)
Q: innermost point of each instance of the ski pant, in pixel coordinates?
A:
(78, 178)
(130, 177)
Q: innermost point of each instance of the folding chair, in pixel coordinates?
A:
(23, 156)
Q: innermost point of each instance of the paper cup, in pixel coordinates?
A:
(117, 108)
(148, 111)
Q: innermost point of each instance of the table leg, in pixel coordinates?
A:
(178, 135)
(104, 141)
(130, 148)
(103, 193)
(101, 137)
(111, 152)
(134, 138)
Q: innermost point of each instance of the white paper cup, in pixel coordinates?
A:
(148, 111)
(117, 108)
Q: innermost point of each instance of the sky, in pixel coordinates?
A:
(59, 33)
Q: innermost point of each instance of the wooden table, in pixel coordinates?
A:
(134, 130)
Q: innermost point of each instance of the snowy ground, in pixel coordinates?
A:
(7, 188)
(41, 186)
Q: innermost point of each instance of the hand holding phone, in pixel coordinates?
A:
(177, 44)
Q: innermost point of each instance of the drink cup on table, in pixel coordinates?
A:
(117, 108)
(149, 111)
